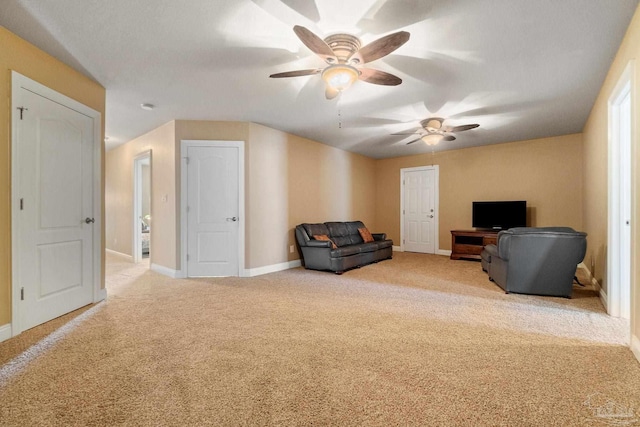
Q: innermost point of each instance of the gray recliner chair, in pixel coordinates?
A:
(535, 261)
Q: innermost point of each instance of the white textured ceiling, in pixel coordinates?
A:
(522, 69)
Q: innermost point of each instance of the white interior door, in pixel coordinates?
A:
(55, 157)
(620, 198)
(419, 211)
(625, 207)
(212, 211)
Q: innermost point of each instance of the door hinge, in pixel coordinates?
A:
(21, 294)
(22, 110)
(187, 257)
(21, 204)
(186, 159)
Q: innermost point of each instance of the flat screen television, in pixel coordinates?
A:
(499, 215)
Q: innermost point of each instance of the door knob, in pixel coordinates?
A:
(89, 220)
(233, 219)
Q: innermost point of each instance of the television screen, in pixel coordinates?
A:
(499, 215)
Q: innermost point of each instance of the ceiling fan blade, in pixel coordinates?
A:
(378, 77)
(415, 140)
(296, 73)
(330, 92)
(448, 138)
(383, 46)
(461, 128)
(316, 44)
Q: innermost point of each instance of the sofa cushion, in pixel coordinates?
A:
(365, 234)
(354, 234)
(345, 233)
(316, 229)
(325, 238)
(368, 247)
(345, 251)
(384, 243)
(339, 233)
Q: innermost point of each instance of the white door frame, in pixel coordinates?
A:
(138, 161)
(18, 81)
(436, 208)
(184, 146)
(615, 260)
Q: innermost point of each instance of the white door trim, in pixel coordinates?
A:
(623, 88)
(137, 203)
(184, 145)
(19, 81)
(436, 222)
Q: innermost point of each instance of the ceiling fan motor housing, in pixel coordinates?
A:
(343, 46)
(433, 124)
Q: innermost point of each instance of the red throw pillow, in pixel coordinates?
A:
(325, 238)
(365, 234)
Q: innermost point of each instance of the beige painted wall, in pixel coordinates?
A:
(119, 195)
(547, 173)
(288, 180)
(596, 170)
(18, 55)
(295, 180)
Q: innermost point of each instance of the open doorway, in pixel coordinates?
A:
(142, 207)
(620, 198)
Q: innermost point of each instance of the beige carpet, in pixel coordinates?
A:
(417, 340)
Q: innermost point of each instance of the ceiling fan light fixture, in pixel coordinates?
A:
(340, 76)
(431, 139)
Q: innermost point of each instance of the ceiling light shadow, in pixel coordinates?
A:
(390, 15)
(290, 12)
(305, 8)
(17, 19)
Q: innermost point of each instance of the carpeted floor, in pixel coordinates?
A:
(417, 340)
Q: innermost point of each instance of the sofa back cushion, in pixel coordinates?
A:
(345, 233)
(315, 229)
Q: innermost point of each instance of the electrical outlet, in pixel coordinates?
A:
(291, 249)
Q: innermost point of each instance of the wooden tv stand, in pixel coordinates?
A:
(469, 243)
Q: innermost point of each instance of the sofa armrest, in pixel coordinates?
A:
(504, 244)
(319, 244)
(379, 236)
(491, 251)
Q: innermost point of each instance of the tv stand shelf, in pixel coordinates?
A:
(469, 243)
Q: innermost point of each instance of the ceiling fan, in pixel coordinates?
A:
(433, 131)
(345, 56)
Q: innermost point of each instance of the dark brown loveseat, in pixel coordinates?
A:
(350, 250)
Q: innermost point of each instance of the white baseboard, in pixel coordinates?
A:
(596, 286)
(438, 251)
(120, 254)
(5, 332)
(258, 271)
(635, 346)
(603, 295)
(174, 274)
